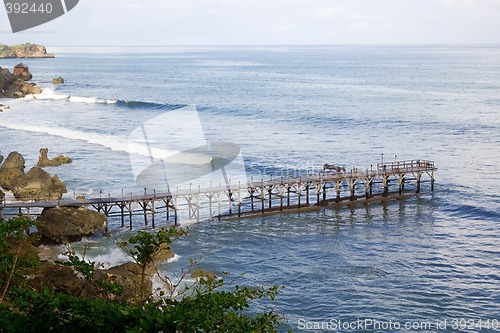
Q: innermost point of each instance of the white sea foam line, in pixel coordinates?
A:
(49, 94)
(112, 142)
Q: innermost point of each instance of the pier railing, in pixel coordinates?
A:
(406, 166)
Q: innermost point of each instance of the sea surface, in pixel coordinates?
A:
(420, 263)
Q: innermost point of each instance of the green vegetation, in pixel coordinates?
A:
(206, 308)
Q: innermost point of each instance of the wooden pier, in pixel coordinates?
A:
(387, 181)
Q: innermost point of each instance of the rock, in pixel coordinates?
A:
(16, 86)
(6, 75)
(68, 224)
(43, 160)
(37, 184)
(62, 279)
(11, 170)
(58, 279)
(201, 273)
(2, 196)
(58, 80)
(164, 253)
(1, 156)
(129, 277)
(27, 76)
(29, 89)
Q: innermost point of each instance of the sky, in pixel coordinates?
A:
(266, 22)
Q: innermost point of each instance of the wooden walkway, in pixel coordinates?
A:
(274, 196)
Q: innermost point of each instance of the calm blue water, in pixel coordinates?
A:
(423, 260)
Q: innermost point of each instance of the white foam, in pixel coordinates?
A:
(50, 94)
(91, 100)
(112, 142)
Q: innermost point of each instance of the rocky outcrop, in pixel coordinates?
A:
(58, 80)
(63, 279)
(11, 170)
(37, 184)
(16, 86)
(24, 51)
(44, 161)
(62, 225)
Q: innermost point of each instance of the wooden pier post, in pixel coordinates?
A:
(130, 211)
(262, 196)
(418, 176)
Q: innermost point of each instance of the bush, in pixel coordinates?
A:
(204, 309)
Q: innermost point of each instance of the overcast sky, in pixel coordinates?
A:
(275, 22)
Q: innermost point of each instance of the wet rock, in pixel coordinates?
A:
(202, 273)
(37, 184)
(1, 157)
(2, 196)
(44, 161)
(69, 224)
(11, 170)
(58, 80)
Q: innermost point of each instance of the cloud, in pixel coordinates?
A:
(226, 22)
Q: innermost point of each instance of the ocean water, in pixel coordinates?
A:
(424, 261)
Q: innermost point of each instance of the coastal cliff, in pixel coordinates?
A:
(24, 51)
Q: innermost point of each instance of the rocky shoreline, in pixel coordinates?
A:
(17, 85)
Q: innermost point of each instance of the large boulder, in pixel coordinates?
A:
(30, 88)
(69, 224)
(37, 184)
(129, 277)
(58, 80)
(11, 170)
(58, 279)
(44, 161)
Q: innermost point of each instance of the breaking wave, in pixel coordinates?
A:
(50, 94)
